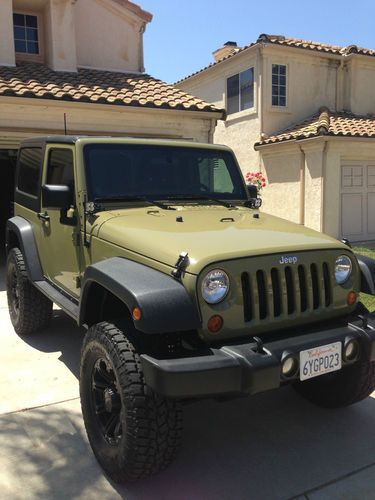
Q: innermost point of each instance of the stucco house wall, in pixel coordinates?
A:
(303, 168)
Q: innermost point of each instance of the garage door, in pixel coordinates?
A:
(358, 201)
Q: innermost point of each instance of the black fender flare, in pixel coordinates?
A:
(164, 303)
(367, 267)
(23, 230)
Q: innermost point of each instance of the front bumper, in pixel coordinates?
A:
(241, 369)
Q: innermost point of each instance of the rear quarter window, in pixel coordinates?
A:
(29, 169)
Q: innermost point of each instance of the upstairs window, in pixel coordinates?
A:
(240, 91)
(279, 85)
(26, 38)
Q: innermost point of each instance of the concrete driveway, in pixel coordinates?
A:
(271, 446)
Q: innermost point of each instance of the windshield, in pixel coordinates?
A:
(120, 171)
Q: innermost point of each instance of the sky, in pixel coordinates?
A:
(183, 33)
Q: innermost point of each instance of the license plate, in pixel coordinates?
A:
(320, 360)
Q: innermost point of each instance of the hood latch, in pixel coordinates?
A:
(180, 266)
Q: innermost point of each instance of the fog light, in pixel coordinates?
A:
(215, 323)
(351, 350)
(351, 298)
(289, 366)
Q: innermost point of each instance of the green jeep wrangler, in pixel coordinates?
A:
(187, 291)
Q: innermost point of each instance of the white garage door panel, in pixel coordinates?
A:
(352, 214)
(371, 212)
(358, 201)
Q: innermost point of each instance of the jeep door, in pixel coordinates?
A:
(58, 238)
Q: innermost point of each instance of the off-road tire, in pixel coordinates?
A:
(29, 310)
(338, 389)
(150, 425)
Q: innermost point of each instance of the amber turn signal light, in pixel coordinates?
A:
(137, 314)
(215, 323)
(351, 298)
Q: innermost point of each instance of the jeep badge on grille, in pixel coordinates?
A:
(288, 259)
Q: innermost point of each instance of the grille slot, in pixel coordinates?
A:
(276, 292)
(302, 287)
(289, 290)
(327, 285)
(315, 285)
(247, 297)
(262, 294)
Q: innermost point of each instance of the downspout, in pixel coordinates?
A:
(141, 66)
(338, 90)
(211, 130)
(302, 182)
(260, 97)
(323, 185)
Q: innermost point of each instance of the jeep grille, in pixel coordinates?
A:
(285, 291)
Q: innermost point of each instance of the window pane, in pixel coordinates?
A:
(19, 33)
(30, 161)
(282, 91)
(20, 46)
(32, 34)
(18, 20)
(247, 89)
(282, 80)
(282, 69)
(275, 90)
(31, 21)
(282, 101)
(32, 48)
(275, 100)
(275, 79)
(233, 94)
(60, 169)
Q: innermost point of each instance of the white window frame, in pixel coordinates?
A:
(23, 56)
(280, 106)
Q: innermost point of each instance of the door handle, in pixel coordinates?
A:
(43, 216)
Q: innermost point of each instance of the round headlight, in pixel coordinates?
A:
(343, 269)
(215, 286)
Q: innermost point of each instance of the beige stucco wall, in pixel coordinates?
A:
(60, 39)
(240, 130)
(311, 83)
(22, 118)
(107, 36)
(99, 34)
(281, 166)
(7, 56)
(360, 77)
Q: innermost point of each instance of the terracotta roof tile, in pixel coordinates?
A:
(326, 122)
(106, 87)
(291, 42)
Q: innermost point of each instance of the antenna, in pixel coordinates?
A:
(65, 123)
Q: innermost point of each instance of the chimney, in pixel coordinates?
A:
(228, 49)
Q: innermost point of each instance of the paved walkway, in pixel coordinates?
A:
(271, 446)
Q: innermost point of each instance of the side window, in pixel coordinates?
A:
(29, 168)
(60, 167)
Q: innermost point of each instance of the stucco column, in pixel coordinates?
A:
(7, 52)
(314, 182)
(60, 34)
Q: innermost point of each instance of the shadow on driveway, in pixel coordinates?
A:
(271, 446)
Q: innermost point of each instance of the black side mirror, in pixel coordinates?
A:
(56, 196)
(252, 190)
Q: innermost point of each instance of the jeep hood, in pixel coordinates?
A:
(208, 233)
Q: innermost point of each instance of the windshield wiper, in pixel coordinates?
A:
(200, 197)
(133, 198)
